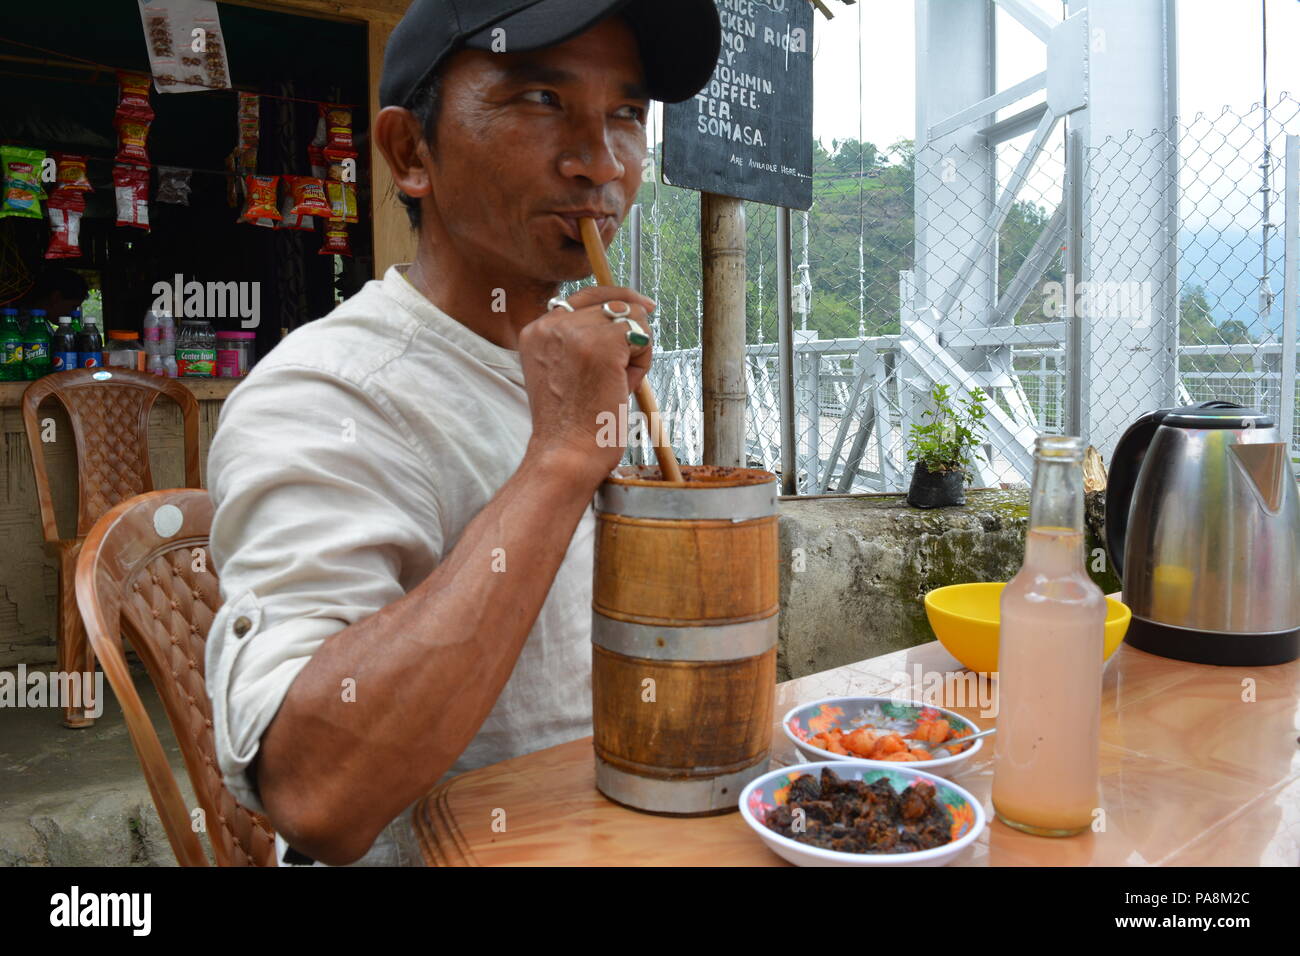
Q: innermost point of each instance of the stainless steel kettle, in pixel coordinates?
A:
(1203, 526)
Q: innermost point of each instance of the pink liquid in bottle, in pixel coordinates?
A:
(1050, 657)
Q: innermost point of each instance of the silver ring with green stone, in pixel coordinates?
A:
(635, 335)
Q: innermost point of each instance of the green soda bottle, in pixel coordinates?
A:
(11, 347)
(36, 347)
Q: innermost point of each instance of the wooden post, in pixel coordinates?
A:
(722, 360)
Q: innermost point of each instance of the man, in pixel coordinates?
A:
(403, 488)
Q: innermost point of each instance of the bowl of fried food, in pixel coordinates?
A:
(854, 814)
(882, 731)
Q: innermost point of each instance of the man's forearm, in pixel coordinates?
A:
(427, 669)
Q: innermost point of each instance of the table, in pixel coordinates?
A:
(1200, 766)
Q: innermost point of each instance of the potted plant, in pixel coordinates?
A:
(942, 448)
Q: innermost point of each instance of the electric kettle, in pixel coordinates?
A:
(1203, 526)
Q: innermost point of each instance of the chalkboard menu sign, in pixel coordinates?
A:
(748, 133)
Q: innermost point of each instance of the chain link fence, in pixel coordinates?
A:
(914, 269)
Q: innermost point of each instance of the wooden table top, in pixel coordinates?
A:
(1200, 766)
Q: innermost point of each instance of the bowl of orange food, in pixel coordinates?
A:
(883, 732)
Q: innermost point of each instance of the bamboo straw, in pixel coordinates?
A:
(645, 396)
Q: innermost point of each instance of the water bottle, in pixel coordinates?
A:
(157, 365)
(166, 334)
(152, 333)
(63, 347)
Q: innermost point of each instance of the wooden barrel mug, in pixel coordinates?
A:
(684, 629)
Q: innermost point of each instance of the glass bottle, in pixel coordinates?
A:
(1046, 774)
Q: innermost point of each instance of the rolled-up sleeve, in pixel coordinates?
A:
(325, 513)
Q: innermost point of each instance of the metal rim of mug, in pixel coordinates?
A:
(738, 503)
(682, 795)
(724, 642)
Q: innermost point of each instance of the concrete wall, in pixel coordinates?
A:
(868, 560)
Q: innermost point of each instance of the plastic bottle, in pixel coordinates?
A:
(166, 334)
(11, 347)
(169, 363)
(76, 321)
(63, 347)
(152, 333)
(36, 347)
(90, 346)
(156, 365)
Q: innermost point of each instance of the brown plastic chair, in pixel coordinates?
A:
(145, 572)
(110, 425)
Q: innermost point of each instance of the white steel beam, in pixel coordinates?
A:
(989, 105)
(990, 229)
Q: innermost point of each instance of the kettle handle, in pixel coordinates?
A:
(1121, 480)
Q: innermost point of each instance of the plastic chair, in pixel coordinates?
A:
(109, 411)
(145, 572)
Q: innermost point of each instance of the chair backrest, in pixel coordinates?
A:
(145, 572)
(109, 411)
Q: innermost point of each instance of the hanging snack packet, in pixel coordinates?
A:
(131, 186)
(337, 164)
(21, 175)
(309, 197)
(250, 112)
(174, 185)
(134, 95)
(343, 200)
(336, 239)
(316, 159)
(64, 210)
(132, 133)
(291, 219)
(338, 126)
(71, 176)
(261, 202)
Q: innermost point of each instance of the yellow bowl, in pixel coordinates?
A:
(965, 619)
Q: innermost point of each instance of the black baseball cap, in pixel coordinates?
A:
(679, 39)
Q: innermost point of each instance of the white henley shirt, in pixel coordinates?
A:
(343, 469)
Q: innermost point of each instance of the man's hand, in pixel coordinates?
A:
(578, 365)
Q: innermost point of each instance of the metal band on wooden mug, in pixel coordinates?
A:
(737, 503)
(724, 642)
(681, 795)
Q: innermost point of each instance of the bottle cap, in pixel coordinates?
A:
(38, 312)
(122, 336)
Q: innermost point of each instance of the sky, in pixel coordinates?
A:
(1219, 48)
(1218, 43)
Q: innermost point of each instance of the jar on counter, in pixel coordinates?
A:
(196, 349)
(124, 350)
(234, 353)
